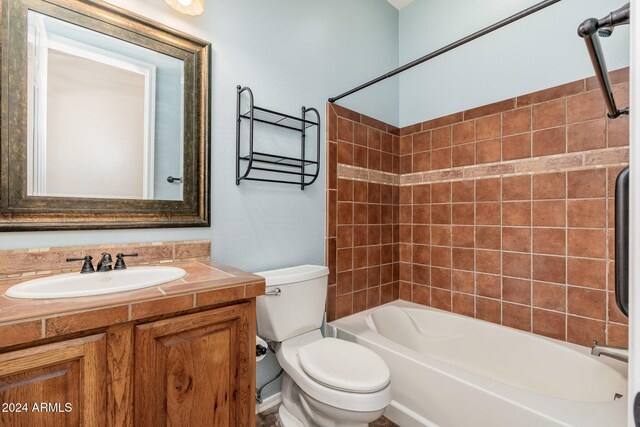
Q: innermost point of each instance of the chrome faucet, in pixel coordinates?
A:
(618, 353)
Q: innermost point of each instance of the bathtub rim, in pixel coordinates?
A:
(355, 328)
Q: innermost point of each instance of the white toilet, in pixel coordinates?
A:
(327, 382)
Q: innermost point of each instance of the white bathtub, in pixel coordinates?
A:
(452, 370)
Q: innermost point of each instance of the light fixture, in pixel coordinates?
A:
(188, 7)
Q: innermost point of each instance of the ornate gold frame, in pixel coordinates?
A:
(18, 212)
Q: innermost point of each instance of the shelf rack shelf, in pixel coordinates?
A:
(304, 168)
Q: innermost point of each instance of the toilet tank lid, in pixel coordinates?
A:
(300, 273)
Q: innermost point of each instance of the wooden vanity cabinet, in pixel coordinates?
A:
(190, 370)
(196, 370)
(59, 384)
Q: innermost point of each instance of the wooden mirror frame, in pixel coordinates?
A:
(19, 212)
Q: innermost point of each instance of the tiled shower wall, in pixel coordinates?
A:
(362, 212)
(504, 212)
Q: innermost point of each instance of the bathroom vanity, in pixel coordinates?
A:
(182, 353)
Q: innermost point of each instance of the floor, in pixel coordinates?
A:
(270, 419)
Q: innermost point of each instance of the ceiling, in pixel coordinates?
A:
(399, 4)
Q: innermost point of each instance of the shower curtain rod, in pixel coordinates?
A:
(513, 18)
(591, 30)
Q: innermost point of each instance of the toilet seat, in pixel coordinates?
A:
(343, 365)
(287, 354)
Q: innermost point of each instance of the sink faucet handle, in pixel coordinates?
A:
(120, 265)
(87, 266)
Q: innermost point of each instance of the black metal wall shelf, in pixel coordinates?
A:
(306, 169)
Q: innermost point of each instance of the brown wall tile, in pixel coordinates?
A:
(549, 241)
(585, 106)
(516, 316)
(584, 331)
(549, 186)
(586, 136)
(550, 296)
(516, 121)
(488, 190)
(422, 142)
(463, 155)
(549, 268)
(587, 272)
(516, 239)
(496, 107)
(516, 146)
(441, 137)
(549, 213)
(516, 213)
(587, 213)
(550, 141)
(504, 212)
(516, 290)
(441, 299)
(586, 243)
(489, 127)
(463, 304)
(516, 265)
(516, 188)
(345, 130)
(586, 183)
(488, 309)
(488, 285)
(551, 93)
(586, 302)
(489, 151)
(549, 323)
(549, 114)
(463, 132)
(488, 262)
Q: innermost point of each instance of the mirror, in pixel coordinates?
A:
(103, 108)
(108, 123)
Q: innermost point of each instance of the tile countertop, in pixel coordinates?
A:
(206, 284)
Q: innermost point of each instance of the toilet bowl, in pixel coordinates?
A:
(327, 382)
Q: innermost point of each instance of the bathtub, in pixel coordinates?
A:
(452, 370)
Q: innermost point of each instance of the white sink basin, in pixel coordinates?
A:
(80, 285)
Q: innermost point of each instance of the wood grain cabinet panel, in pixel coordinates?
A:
(196, 370)
(60, 384)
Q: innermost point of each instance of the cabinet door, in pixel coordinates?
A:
(60, 384)
(197, 370)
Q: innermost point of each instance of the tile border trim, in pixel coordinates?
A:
(592, 159)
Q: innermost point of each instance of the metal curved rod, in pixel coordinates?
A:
(318, 146)
(589, 30)
(250, 164)
(451, 46)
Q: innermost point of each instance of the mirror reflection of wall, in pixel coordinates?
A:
(105, 115)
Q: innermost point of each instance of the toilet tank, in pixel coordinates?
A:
(294, 302)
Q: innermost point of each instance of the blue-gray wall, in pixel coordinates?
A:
(291, 53)
(537, 52)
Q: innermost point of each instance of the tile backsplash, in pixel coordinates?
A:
(26, 262)
(503, 212)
